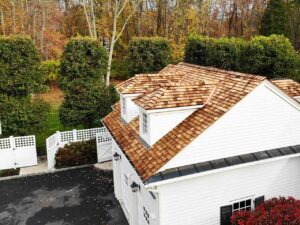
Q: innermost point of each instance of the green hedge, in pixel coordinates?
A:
(84, 60)
(87, 99)
(76, 154)
(271, 56)
(146, 55)
(22, 116)
(20, 73)
(50, 70)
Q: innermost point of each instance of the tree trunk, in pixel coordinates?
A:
(2, 21)
(159, 17)
(13, 15)
(93, 19)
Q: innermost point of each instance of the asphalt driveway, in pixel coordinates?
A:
(81, 196)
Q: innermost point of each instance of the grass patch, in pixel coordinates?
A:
(55, 98)
(9, 172)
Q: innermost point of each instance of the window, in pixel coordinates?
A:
(145, 123)
(124, 105)
(146, 215)
(245, 205)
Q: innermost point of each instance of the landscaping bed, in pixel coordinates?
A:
(9, 172)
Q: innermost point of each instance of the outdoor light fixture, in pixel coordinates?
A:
(135, 187)
(117, 157)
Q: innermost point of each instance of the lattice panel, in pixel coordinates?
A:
(67, 136)
(52, 141)
(4, 143)
(24, 141)
(103, 136)
(87, 134)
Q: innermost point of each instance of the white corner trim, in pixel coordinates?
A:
(196, 175)
(171, 109)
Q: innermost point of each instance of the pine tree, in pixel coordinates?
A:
(275, 19)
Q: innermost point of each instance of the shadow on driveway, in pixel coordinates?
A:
(82, 196)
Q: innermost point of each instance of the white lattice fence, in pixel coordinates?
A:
(59, 139)
(16, 152)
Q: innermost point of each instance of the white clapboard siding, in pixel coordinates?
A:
(263, 120)
(131, 202)
(198, 200)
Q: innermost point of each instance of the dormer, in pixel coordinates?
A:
(163, 109)
(129, 109)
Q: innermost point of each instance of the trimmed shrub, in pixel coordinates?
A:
(272, 56)
(274, 211)
(147, 55)
(84, 60)
(22, 116)
(76, 154)
(20, 73)
(88, 106)
(198, 50)
(87, 99)
(9, 172)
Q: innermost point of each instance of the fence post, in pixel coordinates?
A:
(58, 138)
(13, 147)
(74, 135)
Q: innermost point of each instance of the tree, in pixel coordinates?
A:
(274, 211)
(20, 73)
(275, 19)
(118, 8)
(87, 98)
(148, 55)
(20, 78)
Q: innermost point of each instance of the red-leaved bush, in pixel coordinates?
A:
(276, 211)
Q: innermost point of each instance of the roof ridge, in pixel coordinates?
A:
(226, 72)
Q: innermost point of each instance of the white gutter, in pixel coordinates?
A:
(196, 175)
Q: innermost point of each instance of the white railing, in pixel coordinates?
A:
(59, 139)
(16, 152)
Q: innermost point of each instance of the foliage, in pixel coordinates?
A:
(119, 69)
(22, 116)
(88, 105)
(277, 211)
(198, 50)
(50, 69)
(148, 55)
(77, 153)
(9, 172)
(272, 56)
(84, 60)
(87, 99)
(20, 73)
(275, 19)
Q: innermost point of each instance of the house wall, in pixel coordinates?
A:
(261, 121)
(160, 123)
(132, 109)
(198, 200)
(132, 203)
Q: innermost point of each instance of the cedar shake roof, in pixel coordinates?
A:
(143, 83)
(175, 96)
(289, 86)
(230, 88)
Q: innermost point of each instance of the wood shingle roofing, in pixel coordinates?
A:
(289, 86)
(231, 87)
(175, 96)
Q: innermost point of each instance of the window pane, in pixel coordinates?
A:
(236, 206)
(248, 202)
(242, 204)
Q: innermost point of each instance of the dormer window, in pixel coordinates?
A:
(145, 123)
(124, 105)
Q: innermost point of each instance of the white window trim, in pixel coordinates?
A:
(245, 207)
(124, 110)
(145, 123)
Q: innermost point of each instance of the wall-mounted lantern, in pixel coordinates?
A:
(117, 157)
(135, 187)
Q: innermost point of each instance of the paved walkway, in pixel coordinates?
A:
(82, 196)
(40, 168)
